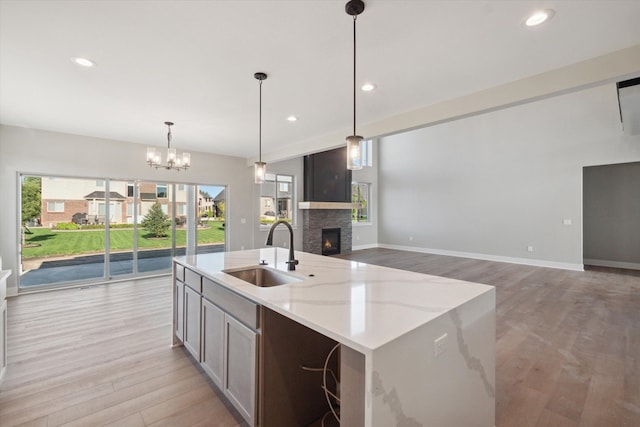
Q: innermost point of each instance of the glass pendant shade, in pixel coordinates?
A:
(260, 169)
(186, 159)
(151, 155)
(171, 155)
(354, 152)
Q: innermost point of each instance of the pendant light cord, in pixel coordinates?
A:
(260, 126)
(354, 74)
(169, 137)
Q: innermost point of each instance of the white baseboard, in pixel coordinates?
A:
(511, 260)
(360, 247)
(613, 264)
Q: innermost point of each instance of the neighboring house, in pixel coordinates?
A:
(83, 200)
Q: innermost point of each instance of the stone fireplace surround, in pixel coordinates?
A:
(314, 220)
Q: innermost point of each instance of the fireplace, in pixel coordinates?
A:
(330, 241)
(326, 209)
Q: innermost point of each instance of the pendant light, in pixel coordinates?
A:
(354, 142)
(154, 157)
(260, 167)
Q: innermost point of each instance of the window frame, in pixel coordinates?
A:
(55, 203)
(279, 182)
(355, 217)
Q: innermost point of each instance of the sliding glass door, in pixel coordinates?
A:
(92, 230)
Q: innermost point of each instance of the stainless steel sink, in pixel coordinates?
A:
(263, 277)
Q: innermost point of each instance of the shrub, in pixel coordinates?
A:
(66, 226)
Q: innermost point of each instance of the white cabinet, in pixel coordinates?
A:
(240, 370)
(3, 339)
(220, 329)
(212, 342)
(192, 303)
(3, 322)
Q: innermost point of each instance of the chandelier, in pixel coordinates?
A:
(154, 157)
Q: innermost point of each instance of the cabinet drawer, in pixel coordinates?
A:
(179, 270)
(239, 307)
(193, 280)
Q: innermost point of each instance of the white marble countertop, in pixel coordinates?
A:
(360, 305)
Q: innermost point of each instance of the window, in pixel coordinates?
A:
(55, 206)
(360, 193)
(277, 199)
(100, 183)
(130, 189)
(180, 187)
(182, 209)
(129, 209)
(165, 208)
(161, 191)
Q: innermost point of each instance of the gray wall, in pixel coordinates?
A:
(612, 215)
(490, 186)
(40, 152)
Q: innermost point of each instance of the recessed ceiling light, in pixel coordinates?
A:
(292, 118)
(83, 62)
(539, 17)
(368, 87)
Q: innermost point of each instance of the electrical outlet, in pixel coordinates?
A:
(440, 345)
(410, 238)
(357, 237)
(243, 220)
(566, 221)
(242, 248)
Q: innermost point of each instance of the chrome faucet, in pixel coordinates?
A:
(291, 264)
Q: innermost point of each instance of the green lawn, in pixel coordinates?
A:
(92, 241)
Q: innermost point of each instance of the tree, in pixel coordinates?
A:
(220, 212)
(31, 198)
(156, 222)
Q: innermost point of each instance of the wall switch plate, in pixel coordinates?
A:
(440, 345)
(566, 221)
(243, 220)
(410, 238)
(529, 248)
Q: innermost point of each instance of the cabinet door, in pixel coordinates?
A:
(178, 310)
(212, 342)
(192, 302)
(3, 339)
(240, 369)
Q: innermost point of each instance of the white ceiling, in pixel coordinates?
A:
(192, 62)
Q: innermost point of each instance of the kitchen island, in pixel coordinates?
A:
(414, 349)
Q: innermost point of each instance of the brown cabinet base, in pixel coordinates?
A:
(290, 396)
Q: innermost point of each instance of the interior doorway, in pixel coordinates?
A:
(611, 212)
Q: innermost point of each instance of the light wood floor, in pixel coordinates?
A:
(567, 351)
(101, 356)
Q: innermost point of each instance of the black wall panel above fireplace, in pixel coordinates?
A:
(326, 177)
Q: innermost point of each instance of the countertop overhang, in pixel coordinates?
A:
(360, 305)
